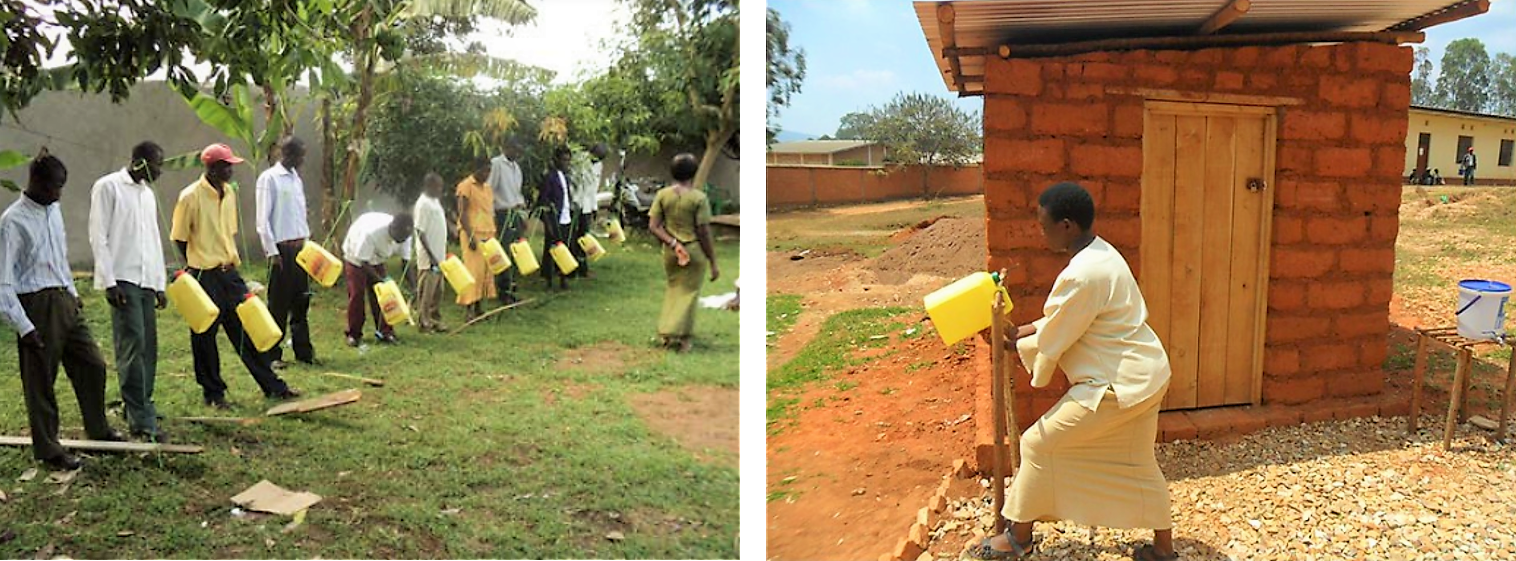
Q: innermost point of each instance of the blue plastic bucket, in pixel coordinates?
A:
(1481, 308)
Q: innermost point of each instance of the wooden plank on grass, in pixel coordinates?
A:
(327, 401)
(487, 315)
(243, 421)
(370, 381)
(108, 446)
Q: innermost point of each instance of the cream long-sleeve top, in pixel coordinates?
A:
(1094, 325)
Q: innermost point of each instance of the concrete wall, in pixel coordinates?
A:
(724, 175)
(1337, 197)
(94, 137)
(799, 186)
(1445, 129)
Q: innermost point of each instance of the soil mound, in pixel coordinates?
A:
(949, 248)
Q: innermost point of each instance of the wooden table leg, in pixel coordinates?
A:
(1418, 377)
(1505, 395)
(1468, 379)
(1459, 374)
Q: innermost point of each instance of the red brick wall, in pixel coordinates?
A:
(1336, 202)
(796, 186)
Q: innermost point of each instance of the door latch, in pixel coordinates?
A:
(1256, 184)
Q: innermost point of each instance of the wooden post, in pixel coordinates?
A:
(1467, 355)
(998, 397)
(1505, 396)
(1417, 377)
(1459, 374)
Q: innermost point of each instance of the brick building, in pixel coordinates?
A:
(1245, 158)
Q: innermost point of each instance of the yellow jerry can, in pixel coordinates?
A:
(258, 323)
(965, 307)
(564, 259)
(591, 247)
(494, 256)
(320, 264)
(456, 274)
(392, 303)
(193, 304)
(614, 232)
(526, 263)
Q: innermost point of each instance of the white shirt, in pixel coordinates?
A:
(586, 184)
(281, 208)
(368, 240)
(431, 229)
(505, 181)
(33, 256)
(123, 233)
(563, 211)
(1094, 325)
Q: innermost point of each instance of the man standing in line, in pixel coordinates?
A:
(505, 181)
(557, 222)
(431, 247)
(123, 232)
(282, 229)
(39, 300)
(372, 239)
(204, 231)
(1467, 164)
(586, 184)
(476, 225)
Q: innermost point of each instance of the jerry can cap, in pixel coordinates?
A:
(996, 276)
(249, 296)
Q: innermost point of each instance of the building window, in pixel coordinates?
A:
(1506, 147)
(1464, 143)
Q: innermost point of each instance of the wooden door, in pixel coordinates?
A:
(1207, 197)
(1423, 153)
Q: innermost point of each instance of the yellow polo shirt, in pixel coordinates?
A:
(207, 222)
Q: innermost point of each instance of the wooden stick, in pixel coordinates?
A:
(370, 381)
(486, 315)
(1457, 397)
(1468, 377)
(1229, 13)
(241, 421)
(997, 397)
(327, 401)
(1505, 396)
(107, 446)
(1189, 42)
(1418, 375)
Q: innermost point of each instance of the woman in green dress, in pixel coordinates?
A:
(680, 216)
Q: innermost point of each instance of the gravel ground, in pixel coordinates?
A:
(1355, 489)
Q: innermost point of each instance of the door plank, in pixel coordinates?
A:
(1184, 294)
(1157, 214)
(1246, 249)
(1216, 260)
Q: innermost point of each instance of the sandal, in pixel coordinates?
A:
(1018, 551)
(1147, 553)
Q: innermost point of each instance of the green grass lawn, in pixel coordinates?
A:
(481, 445)
(831, 351)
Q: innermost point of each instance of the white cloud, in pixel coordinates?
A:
(860, 79)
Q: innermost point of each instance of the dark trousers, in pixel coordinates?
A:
(581, 226)
(1468, 176)
(508, 223)
(552, 233)
(135, 326)
(289, 300)
(227, 289)
(359, 288)
(66, 341)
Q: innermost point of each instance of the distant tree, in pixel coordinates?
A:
(786, 69)
(923, 129)
(853, 125)
(1465, 80)
(826, 137)
(1421, 79)
(1503, 85)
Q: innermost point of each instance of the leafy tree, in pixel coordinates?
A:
(1465, 80)
(1503, 85)
(923, 129)
(420, 129)
(786, 68)
(853, 125)
(1421, 80)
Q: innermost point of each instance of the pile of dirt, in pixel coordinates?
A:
(949, 248)
(1459, 205)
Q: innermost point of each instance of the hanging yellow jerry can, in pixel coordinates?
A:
(526, 263)
(457, 274)
(591, 247)
(258, 323)
(614, 232)
(965, 307)
(564, 259)
(392, 303)
(319, 263)
(193, 304)
(494, 256)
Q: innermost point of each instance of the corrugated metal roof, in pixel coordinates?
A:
(991, 23)
(817, 146)
(1424, 109)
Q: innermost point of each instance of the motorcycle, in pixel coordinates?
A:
(634, 200)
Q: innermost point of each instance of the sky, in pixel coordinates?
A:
(566, 37)
(860, 53)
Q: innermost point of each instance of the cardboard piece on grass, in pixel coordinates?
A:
(327, 401)
(271, 498)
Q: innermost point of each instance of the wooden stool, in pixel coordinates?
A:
(1458, 411)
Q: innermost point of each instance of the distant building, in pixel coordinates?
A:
(827, 153)
(1437, 138)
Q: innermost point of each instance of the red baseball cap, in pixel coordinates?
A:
(217, 153)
